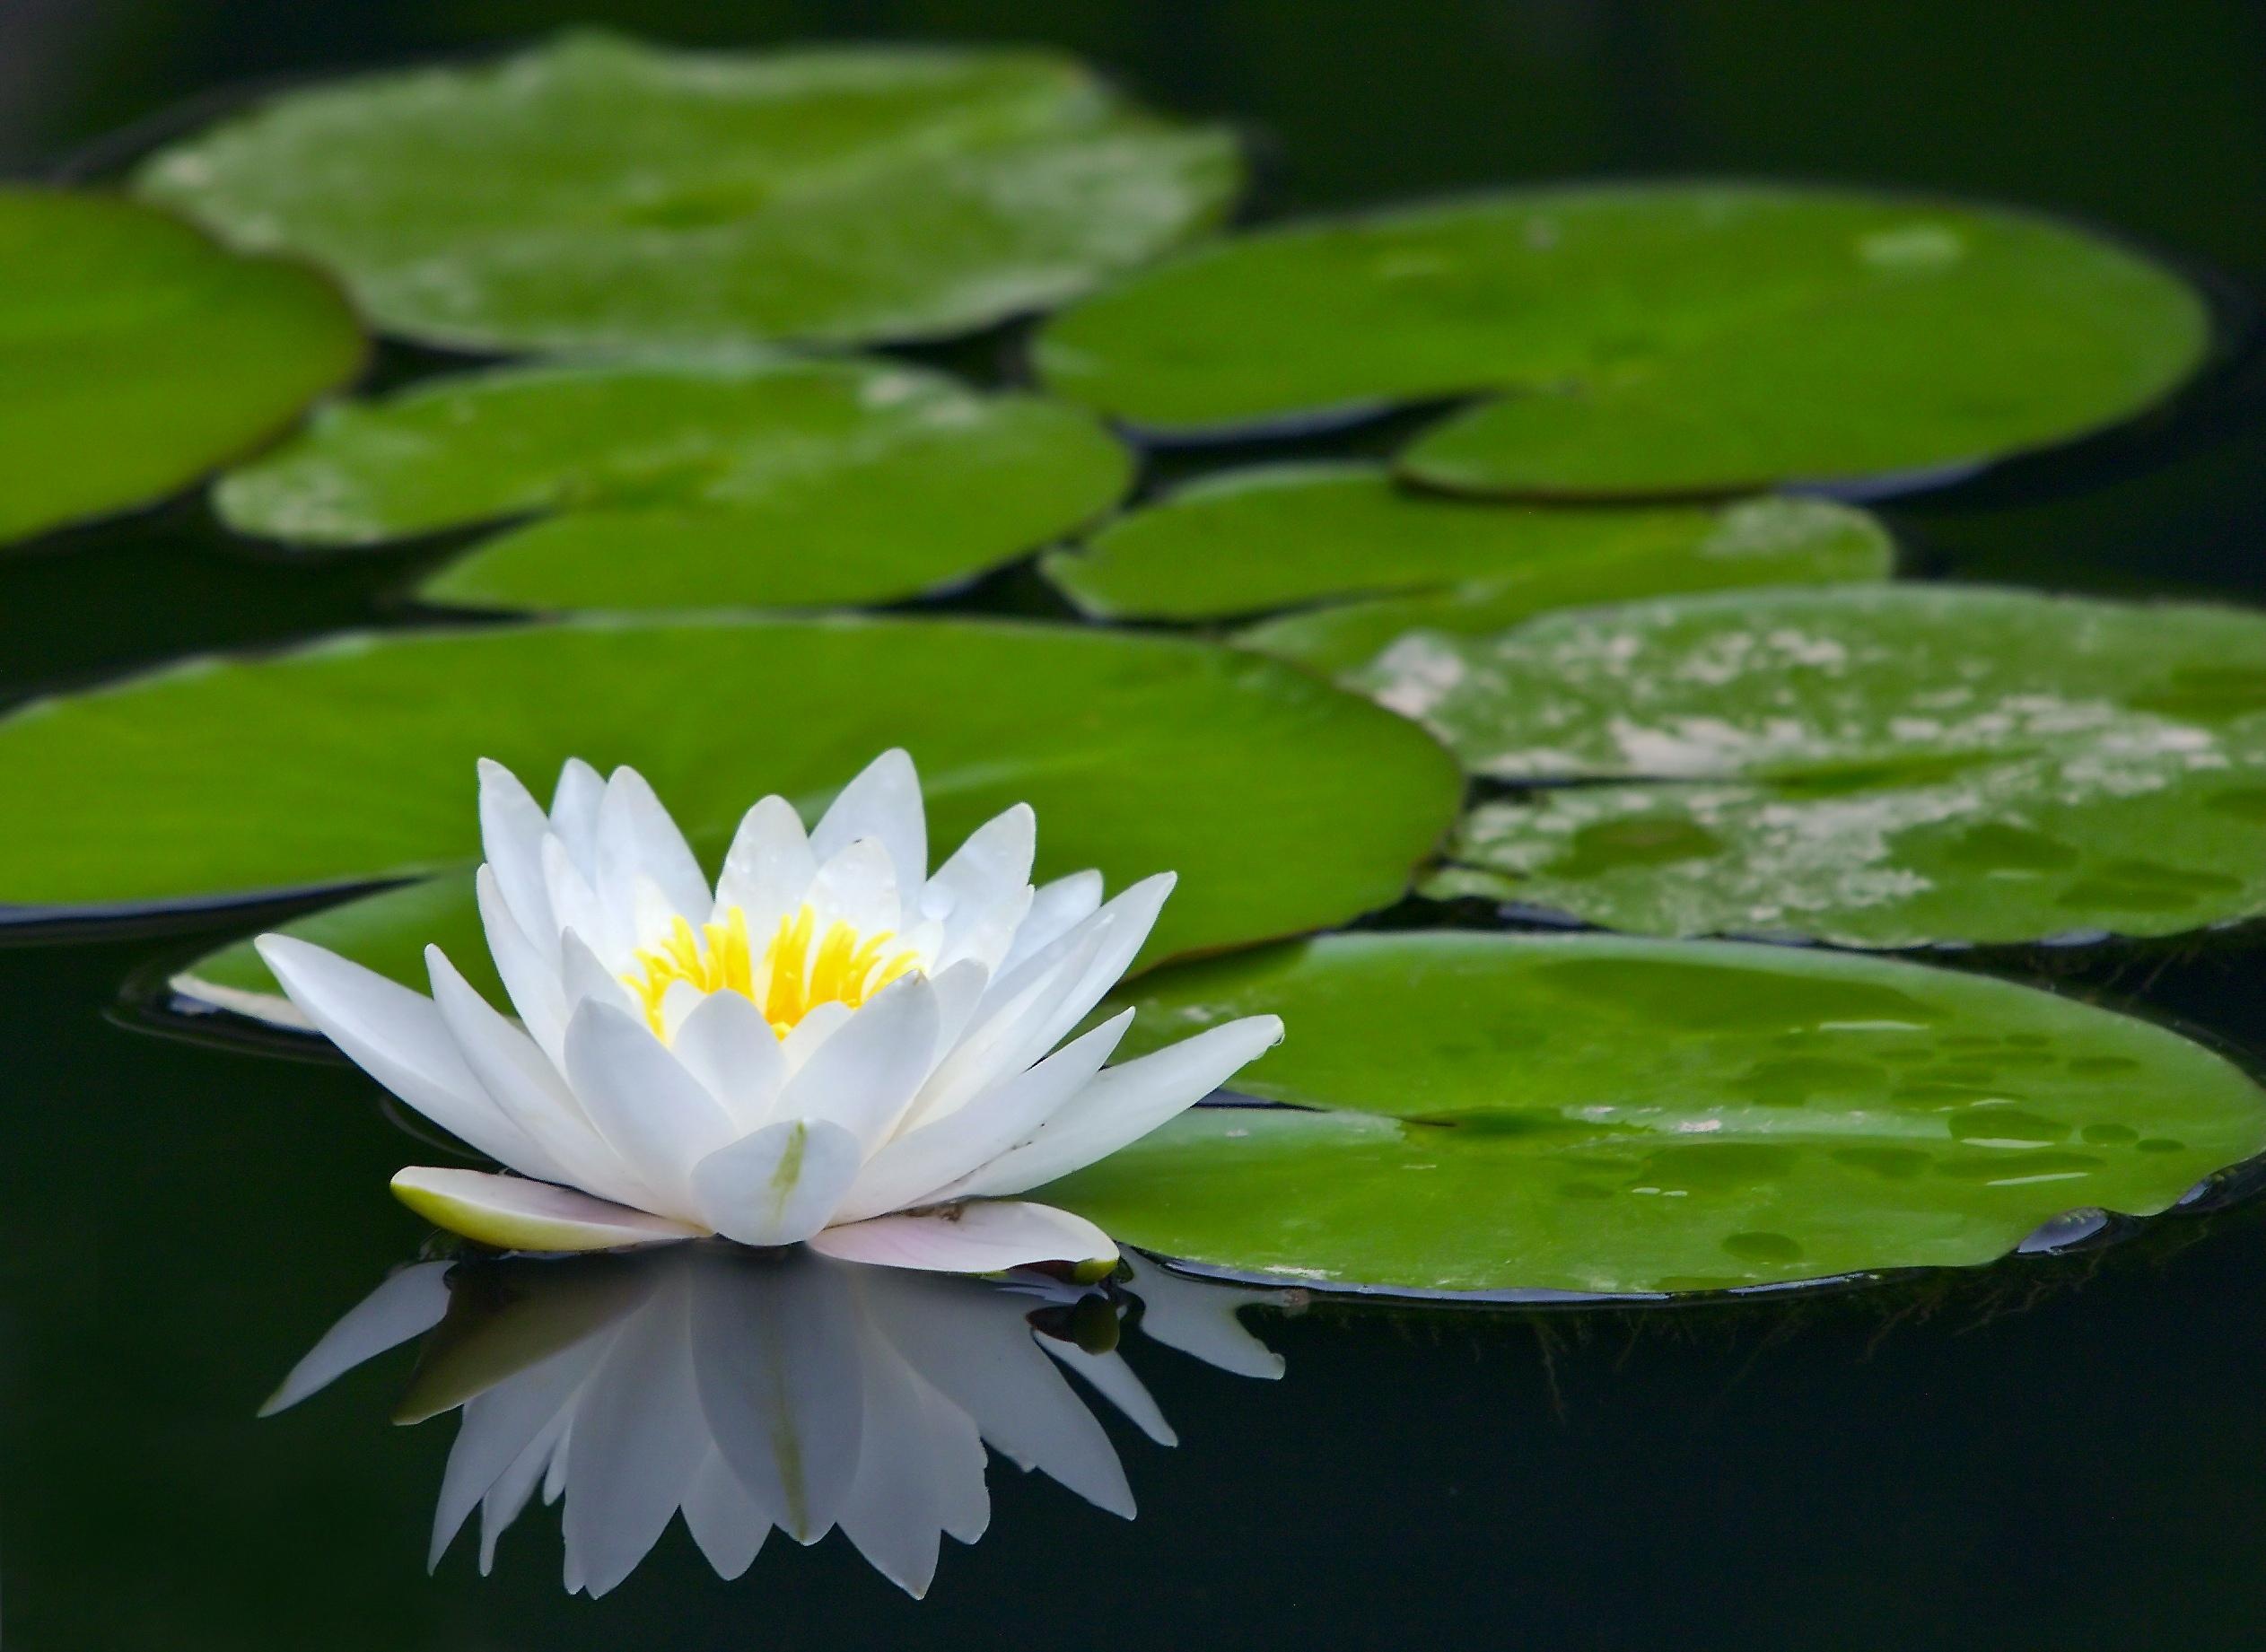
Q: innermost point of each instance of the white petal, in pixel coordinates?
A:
(513, 1214)
(768, 871)
(637, 839)
(883, 802)
(909, 1170)
(505, 1442)
(858, 885)
(575, 811)
(513, 826)
(775, 1350)
(1200, 1319)
(649, 1110)
(920, 1474)
(530, 968)
(727, 1044)
(981, 1238)
(811, 1034)
(725, 1522)
(584, 978)
(1124, 1104)
(863, 1076)
(778, 1185)
(985, 933)
(638, 1439)
(408, 1303)
(959, 988)
(524, 1085)
(1115, 1381)
(1055, 908)
(986, 1050)
(994, 863)
(575, 904)
(399, 1038)
(972, 1343)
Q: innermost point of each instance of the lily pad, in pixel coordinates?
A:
(1651, 338)
(353, 761)
(1600, 1115)
(1878, 767)
(1320, 539)
(135, 354)
(680, 484)
(598, 193)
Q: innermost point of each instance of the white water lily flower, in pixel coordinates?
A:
(747, 1395)
(830, 1045)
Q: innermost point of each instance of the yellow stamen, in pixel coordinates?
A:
(790, 979)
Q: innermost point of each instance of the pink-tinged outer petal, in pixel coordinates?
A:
(513, 1214)
(987, 1236)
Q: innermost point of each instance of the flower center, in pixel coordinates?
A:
(798, 970)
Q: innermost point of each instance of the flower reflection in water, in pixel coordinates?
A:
(750, 1391)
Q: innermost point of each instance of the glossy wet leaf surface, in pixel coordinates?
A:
(660, 484)
(135, 354)
(1595, 1113)
(353, 761)
(1880, 767)
(1651, 338)
(596, 193)
(1360, 562)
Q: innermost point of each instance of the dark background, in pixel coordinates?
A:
(2051, 1454)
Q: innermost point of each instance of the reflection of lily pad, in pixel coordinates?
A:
(1882, 766)
(1315, 537)
(1593, 1114)
(598, 193)
(353, 760)
(1655, 338)
(679, 485)
(134, 355)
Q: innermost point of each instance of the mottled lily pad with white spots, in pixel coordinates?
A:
(595, 193)
(684, 484)
(135, 354)
(1362, 561)
(1651, 338)
(1881, 766)
(353, 761)
(1602, 1114)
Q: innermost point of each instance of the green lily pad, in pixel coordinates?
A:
(595, 193)
(353, 761)
(1651, 338)
(1599, 1114)
(1878, 767)
(679, 485)
(1365, 562)
(135, 354)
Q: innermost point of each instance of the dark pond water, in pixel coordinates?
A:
(2064, 1452)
